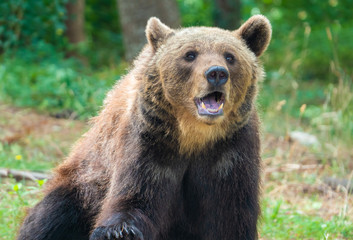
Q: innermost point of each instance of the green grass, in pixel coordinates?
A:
(29, 141)
(282, 220)
(15, 197)
(18, 157)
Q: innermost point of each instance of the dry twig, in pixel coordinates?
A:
(290, 167)
(19, 175)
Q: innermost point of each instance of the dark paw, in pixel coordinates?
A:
(122, 231)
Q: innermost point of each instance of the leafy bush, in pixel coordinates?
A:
(54, 86)
(307, 37)
(27, 23)
(104, 40)
(196, 12)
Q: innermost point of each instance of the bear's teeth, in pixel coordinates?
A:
(220, 107)
(215, 110)
(203, 105)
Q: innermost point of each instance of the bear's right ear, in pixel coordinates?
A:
(156, 32)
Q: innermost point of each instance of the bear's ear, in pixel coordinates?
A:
(256, 32)
(156, 32)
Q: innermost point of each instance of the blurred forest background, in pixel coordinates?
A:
(58, 58)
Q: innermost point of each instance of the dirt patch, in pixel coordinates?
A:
(296, 174)
(26, 126)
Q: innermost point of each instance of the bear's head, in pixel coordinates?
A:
(208, 75)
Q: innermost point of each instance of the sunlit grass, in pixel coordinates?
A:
(18, 157)
(283, 220)
(15, 197)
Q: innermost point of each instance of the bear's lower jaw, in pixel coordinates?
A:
(210, 105)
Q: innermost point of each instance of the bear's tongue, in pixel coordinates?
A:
(211, 104)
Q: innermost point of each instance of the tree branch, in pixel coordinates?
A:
(20, 175)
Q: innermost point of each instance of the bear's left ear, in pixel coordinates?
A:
(256, 33)
(156, 32)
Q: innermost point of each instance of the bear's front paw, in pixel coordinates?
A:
(123, 231)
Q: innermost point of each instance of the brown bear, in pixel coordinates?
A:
(174, 153)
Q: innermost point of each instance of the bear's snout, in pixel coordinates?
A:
(217, 75)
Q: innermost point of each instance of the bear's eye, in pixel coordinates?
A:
(190, 56)
(230, 58)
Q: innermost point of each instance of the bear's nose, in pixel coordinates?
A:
(217, 75)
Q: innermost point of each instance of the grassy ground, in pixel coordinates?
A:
(296, 203)
(29, 141)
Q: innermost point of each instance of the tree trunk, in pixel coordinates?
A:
(75, 21)
(227, 14)
(133, 18)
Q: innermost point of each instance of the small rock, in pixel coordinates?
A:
(304, 138)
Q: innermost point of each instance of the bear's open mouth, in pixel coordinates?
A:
(211, 104)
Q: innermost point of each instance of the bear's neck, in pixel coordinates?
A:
(195, 137)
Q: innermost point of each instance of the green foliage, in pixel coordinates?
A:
(34, 71)
(23, 29)
(196, 12)
(104, 41)
(307, 36)
(54, 86)
(26, 23)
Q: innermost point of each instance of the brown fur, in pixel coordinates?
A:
(150, 164)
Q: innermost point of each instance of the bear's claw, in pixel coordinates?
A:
(122, 231)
